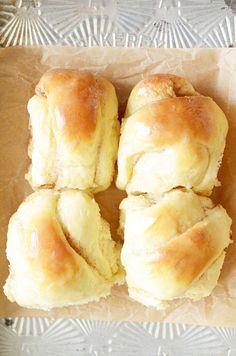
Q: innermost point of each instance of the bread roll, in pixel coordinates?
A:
(174, 246)
(74, 129)
(60, 251)
(171, 137)
(157, 87)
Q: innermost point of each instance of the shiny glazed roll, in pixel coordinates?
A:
(60, 251)
(174, 246)
(170, 137)
(74, 130)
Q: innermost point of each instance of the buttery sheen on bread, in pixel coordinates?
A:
(60, 251)
(74, 131)
(174, 246)
(171, 136)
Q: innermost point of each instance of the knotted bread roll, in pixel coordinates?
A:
(174, 246)
(157, 87)
(60, 251)
(170, 137)
(74, 129)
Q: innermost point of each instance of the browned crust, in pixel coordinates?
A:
(73, 99)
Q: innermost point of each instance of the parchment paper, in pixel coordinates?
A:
(212, 72)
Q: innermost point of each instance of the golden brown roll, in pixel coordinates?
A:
(157, 87)
(171, 137)
(74, 129)
(60, 251)
(174, 246)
